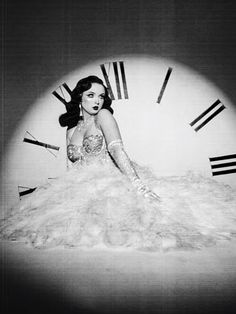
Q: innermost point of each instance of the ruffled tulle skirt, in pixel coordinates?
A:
(96, 205)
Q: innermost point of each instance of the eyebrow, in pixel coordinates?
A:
(103, 93)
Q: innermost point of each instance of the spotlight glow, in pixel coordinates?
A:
(158, 135)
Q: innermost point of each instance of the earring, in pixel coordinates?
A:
(80, 110)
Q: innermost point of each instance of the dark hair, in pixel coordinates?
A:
(71, 117)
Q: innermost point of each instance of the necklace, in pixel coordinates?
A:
(82, 124)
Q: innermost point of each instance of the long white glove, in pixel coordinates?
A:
(120, 157)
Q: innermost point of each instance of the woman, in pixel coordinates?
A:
(97, 126)
(102, 200)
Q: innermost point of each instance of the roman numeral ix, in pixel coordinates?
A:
(36, 142)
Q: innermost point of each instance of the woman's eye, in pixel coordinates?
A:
(90, 95)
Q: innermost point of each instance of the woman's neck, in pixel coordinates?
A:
(86, 116)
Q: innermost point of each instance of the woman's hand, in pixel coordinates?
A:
(152, 195)
(145, 191)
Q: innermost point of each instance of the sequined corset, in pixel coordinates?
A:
(93, 144)
(93, 149)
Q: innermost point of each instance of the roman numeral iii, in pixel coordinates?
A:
(220, 165)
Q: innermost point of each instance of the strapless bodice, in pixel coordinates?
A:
(93, 144)
(92, 150)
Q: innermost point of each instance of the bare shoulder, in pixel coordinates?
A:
(69, 134)
(104, 116)
(108, 125)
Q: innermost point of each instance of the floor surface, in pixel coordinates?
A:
(104, 281)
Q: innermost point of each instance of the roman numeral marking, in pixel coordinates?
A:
(24, 190)
(36, 142)
(164, 85)
(115, 78)
(217, 163)
(63, 97)
(215, 105)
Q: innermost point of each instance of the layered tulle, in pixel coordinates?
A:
(96, 205)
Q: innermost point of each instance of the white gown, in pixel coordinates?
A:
(94, 204)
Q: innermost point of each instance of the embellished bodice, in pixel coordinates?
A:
(92, 149)
(93, 144)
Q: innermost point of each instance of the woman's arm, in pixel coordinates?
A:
(69, 133)
(115, 147)
(74, 151)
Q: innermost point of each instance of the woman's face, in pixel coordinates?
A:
(93, 99)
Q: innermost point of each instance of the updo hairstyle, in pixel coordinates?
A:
(72, 116)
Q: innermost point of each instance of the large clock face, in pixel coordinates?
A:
(171, 119)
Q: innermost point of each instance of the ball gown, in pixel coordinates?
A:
(95, 204)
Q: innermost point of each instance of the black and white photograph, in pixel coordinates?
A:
(118, 156)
